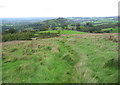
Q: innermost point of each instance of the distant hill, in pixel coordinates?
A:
(94, 20)
(52, 23)
(45, 22)
(57, 22)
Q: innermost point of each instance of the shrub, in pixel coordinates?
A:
(17, 36)
(14, 49)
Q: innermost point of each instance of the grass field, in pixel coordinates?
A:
(112, 30)
(75, 58)
(64, 32)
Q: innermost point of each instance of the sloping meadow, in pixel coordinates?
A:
(77, 58)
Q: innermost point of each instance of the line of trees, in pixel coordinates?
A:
(13, 34)
(17, 36)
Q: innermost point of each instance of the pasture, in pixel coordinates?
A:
(63, 32)
(75, 58)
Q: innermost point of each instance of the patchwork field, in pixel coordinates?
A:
(75, 58)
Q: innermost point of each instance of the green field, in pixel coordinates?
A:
(64, 32)
(112, 30)
(77, 58)
(107, 29)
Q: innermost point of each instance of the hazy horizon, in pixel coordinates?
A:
(56, 17)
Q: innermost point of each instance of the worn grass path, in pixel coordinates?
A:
(78, 58)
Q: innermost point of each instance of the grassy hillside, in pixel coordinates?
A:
(78, 58)
(59, 21)
(52, 23)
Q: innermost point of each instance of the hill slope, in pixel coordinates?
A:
(53, 23)
(79, 58)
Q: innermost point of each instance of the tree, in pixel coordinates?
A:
(73, 25)
(63, 26)
(89, 24)
(53, 28)
(34, 28)
(12, 30)
(24, 30)
(5, 32)
(78, 27)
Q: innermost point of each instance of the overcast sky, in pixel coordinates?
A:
(58, 8)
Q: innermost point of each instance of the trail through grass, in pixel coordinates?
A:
(79, 58)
